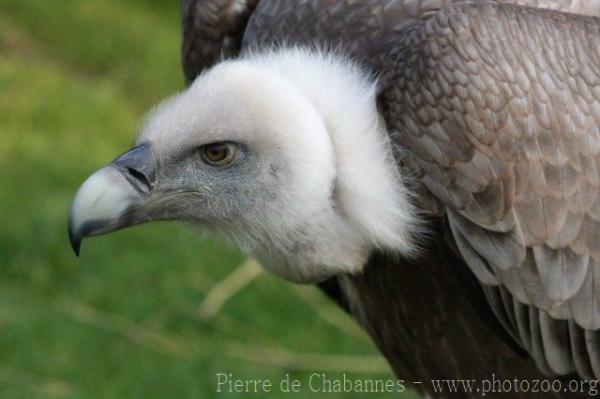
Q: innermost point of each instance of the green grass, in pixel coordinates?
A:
(75, 79)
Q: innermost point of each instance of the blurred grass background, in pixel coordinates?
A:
(139, 314)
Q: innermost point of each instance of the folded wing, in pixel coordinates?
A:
(497, 108)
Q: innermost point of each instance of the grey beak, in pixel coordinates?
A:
(113, 197)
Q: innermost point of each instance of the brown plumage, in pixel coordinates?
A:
(212, 30)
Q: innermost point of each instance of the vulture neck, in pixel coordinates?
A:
(368, 205)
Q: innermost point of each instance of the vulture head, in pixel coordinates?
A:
(282, 152)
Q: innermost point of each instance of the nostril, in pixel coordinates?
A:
(139, 167)
(139, 180)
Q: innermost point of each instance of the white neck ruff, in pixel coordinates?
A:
(369, 205)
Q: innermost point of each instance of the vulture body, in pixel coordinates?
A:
(493, 112)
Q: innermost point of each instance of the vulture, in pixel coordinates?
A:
(432, 165)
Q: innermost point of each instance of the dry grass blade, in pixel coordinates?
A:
(359, 364)
(41, 386)
(228, 287)
(179, 348)
(134, 332)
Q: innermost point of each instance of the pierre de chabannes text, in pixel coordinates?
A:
(316, 382)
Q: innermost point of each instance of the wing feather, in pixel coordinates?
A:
(581, 357)
(212, 29)
(522, 199)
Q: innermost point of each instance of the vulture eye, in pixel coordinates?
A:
(217, 154)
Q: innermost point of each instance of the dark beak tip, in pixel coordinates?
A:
(76, 246)
(75, 240)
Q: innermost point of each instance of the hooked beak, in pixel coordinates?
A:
(113, 198)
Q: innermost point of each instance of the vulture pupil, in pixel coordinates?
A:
(218, 154)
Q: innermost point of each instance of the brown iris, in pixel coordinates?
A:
(217, 154)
